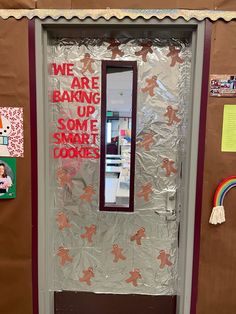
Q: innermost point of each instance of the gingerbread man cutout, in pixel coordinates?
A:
(88, 274)
(146, 48)
(145, 191)
(64, 178)
(88, 193)
(63, 253)
(138, 236)
(171, 115)
(117, 252)
(72, 165)
(87, 63)
(167, 164)
(62, 221)
(114, 47)
(151, 84)
(90, 231)
(174, 54)
(134, 276)
(164, 258)
(147, 141)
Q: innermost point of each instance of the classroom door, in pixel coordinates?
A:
(113, 261)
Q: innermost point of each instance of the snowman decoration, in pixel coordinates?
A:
(5, 130)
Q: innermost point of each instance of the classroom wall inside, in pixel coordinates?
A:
(217, 271)
(15, 214)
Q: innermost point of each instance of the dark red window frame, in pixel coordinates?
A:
(133, 66)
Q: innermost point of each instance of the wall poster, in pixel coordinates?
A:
(228, 143)
(7, 177)
(223, 85)
(11, 132)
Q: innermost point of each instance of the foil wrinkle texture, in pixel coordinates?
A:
(159, 213)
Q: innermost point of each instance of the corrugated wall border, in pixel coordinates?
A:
(120, 14)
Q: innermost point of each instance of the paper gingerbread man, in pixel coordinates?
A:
(134, 276)
(174, 54)
(145, 191)
(88, 193)
(90, 231)
(138, 236)
(151, 84)
(87, 63)
(164, 258)
(146, 48)
(167, 164)
(114, 47)
(62, 221)
(171, 115)
(88, 274)
(64, 178)
(72, 166)
(147, 141)
(117, 252)
(63, 253)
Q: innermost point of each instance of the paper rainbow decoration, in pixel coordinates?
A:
(218, 213)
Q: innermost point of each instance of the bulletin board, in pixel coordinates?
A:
(216, 243)
(16, 214)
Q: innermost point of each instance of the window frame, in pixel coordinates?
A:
(118, 64)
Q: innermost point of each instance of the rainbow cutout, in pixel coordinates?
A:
(222, 189)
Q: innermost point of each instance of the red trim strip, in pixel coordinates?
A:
(133, 66)
(200, 165)
(34, 164)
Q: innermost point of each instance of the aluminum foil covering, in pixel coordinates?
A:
(108, 252)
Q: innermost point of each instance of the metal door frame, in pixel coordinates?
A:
(45, 297)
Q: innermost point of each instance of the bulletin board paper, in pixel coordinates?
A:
(229, 129)
(16, 214)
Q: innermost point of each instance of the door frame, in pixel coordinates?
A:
(42, 296)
